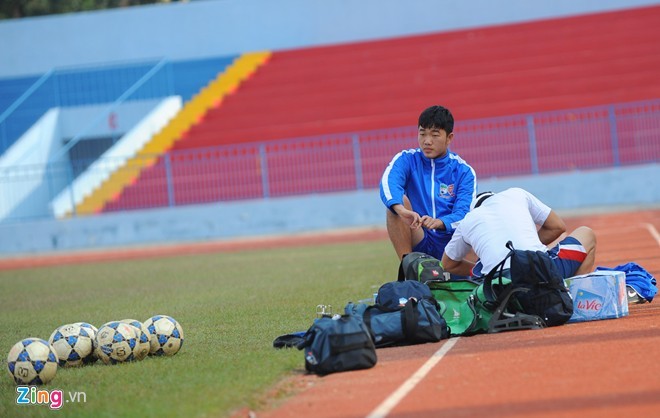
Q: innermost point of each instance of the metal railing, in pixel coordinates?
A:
(81, 86)
(597, 137)
(578, 139)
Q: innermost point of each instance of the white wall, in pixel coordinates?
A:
(22, 168)
(94, 120)
(227, 27)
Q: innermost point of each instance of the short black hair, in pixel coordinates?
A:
(437, 117)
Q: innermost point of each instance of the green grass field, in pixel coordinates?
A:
(231, 307)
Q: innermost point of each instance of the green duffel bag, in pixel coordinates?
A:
(457, 306)
(468, 311)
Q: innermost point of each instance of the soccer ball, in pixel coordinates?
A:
(143, 338)
(32, 361)
(91, 330)
(115, 343)
(72, 343)
(166, 335)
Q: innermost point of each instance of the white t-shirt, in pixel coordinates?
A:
(513, 214)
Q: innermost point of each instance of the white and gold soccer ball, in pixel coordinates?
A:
(166, 335)
(91, 330)
(72, 343)
(115, 343)
(32, 361)
(143, 338)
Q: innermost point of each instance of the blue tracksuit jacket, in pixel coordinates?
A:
(442, 188)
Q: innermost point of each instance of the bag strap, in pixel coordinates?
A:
(402, 274)
(307, 339)
(532, 268)
(499, 268)
(366, 318)
(410, 318)
(491, 301)
(433, 301)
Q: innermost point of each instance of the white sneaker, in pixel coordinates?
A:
(633, 296)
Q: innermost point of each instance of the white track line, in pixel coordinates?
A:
(653, 232)
(393, 400)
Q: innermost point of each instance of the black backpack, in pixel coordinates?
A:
(421, 267)
(336, 344)
(536, 287)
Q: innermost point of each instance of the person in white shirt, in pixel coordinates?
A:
(518, 216)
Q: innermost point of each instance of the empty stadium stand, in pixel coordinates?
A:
(504, 70)
(211, 95)
(479, 73)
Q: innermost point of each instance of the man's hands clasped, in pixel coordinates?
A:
(415, 221)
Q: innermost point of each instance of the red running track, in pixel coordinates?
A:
(599, 369)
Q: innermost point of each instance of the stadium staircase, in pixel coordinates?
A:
(210, 96)
(478, 73)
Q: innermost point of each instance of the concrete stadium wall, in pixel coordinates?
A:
(219, 28)
(598, 190)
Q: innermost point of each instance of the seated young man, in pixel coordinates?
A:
(518, 216)
(427, 190)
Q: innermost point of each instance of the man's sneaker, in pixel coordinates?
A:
(633, 296)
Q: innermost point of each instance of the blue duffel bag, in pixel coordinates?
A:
(405, 313)
(337, 343)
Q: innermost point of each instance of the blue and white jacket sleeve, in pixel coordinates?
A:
(392, 184)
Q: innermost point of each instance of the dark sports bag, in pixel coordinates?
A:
(394, 295)
(416, 322)
(536, 287)
(337, 344)
(421, 267)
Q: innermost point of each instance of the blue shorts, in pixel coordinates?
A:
(433, 244)
(568, 256)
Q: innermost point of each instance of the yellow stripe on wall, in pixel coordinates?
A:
(210, 96)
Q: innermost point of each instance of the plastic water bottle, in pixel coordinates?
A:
(371, 300)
